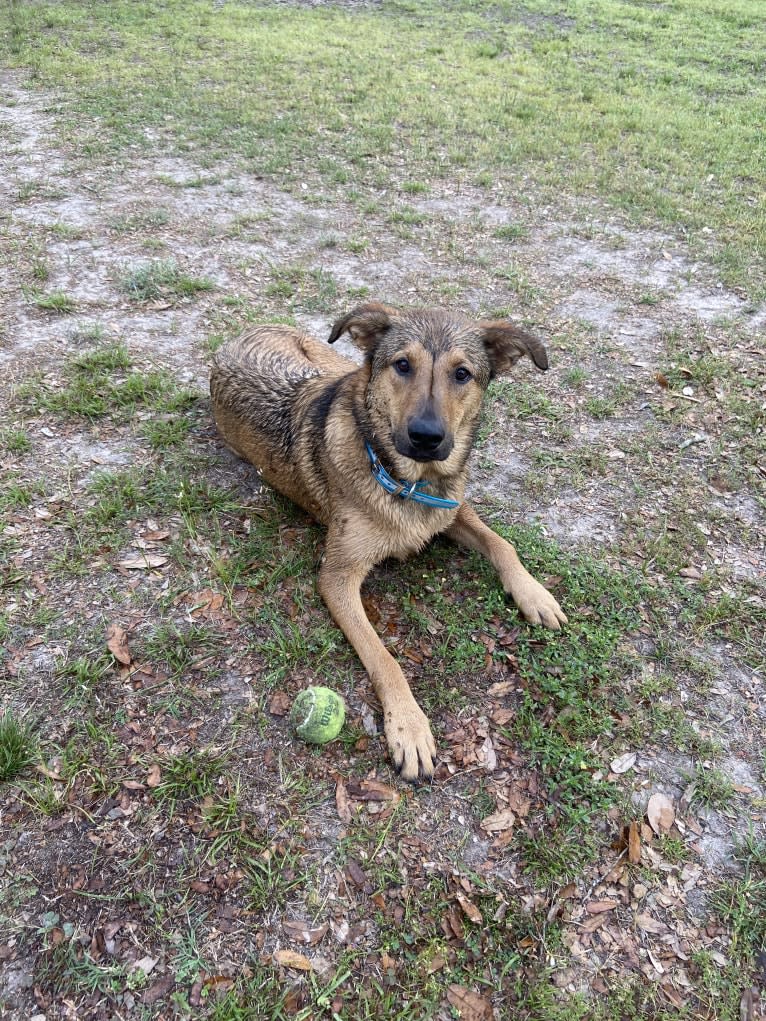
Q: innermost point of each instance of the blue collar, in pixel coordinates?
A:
(405, 490)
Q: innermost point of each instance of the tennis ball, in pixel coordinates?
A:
(317, 715)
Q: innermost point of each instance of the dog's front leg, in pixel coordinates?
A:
(534, 601)
(407, 729)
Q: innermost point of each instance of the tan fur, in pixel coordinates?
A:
(301, 414)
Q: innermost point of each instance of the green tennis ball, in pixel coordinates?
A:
(317, 715)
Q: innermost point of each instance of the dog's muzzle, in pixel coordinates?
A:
(426, 439)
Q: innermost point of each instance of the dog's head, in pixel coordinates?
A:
(428, 373)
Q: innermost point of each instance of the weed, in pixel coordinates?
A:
(82, 675)
(674, 850)
(273, 875)
(162, 279)
(148, 219)
(17, 746)
(712, 787)
(408, 216)
(510, 232)
(56, 301)
(15, 441)
(67, 967)
(166, 432)
(189, 775)
(313, 290)
(181, 650)
(101, 383)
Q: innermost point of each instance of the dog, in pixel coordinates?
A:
(378, 454)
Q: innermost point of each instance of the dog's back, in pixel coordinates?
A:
(258, 384)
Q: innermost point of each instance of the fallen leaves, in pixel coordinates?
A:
(499, 822)
(291, 959)
(660, 813)
(596, 907)
(470, 1006)
(470, 910)
(143, 562)
(117, 644)
(302, 932)
(634, 843)
(649, 924)
(342, 802)
(623, 763)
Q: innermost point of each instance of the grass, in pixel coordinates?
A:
(657, 110)
(189, 775)
(101, 383)
(82, 676)
(17, 746)
(181, 650)
(311, 290)
(161, 279)
(712, 787)
(141, 221)
(174, 782)
(56, 301)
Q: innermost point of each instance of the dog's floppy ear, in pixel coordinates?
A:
(365, 324)
(506, 343)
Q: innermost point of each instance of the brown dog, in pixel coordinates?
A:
(378, 454)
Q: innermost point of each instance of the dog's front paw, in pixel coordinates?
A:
(537, 605)
(410, 742)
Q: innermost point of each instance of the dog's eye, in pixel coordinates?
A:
(462, 375)
(402, 366)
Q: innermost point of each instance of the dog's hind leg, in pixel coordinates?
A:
(408, 732)
(534, 601)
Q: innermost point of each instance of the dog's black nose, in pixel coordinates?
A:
(425, 434)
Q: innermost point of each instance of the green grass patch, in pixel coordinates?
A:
(311, 290)
(161, 279)
(17, 746)
(143, 221)
(15, 441)
(101, 383)
(189, 775)
(181, 650)
(657, 109)
(56, 301)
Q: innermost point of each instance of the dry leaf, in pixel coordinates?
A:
(470, 910)
(301, 932)
(501, 688)
(487, 755)
(372, 790)
(292, 959)
(623, 763)
(280, 703)
(117, 643)
(649, 924)
(143, 562)
(153, 776)
(591, 924)
(672, 994)
(469, 1005)
(146, 965)
(498, 821)
(342, 802)
(660, 813)
(634, 844)
(596, 907)
(747, 1004)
